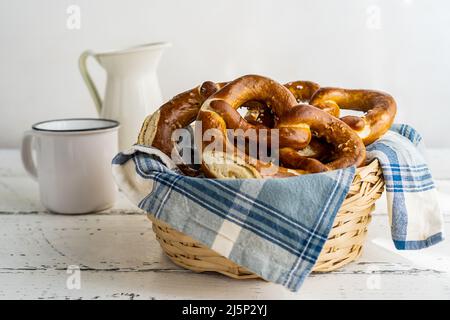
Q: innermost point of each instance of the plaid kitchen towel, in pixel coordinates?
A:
(414, 214)
(277, 227)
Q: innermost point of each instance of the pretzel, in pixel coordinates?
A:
(318, 149)
(379, 107)
(216, 116)
(348, 151)
(293, 137)
(258, 113)
(348, 147)
(303, 90)
(179, 112)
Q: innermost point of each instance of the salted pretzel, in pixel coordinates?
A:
(379, 107)
(294, 136)
(348, 148)
(177, 113)
(302, 90)
(317, 148)
(260, 114)
(215, 116)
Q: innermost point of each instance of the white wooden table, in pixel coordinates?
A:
(119, 258)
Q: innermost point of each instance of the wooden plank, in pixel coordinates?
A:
(94, 242)
(127, 243)
(119, 258)
(180, 285)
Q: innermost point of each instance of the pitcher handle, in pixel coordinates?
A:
(88, 80)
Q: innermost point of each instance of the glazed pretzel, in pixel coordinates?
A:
(348, 148)
(318, 149)
(260, 114)
(302, 90)
(177, 113)
(218, 113)
(289, 136)
(379, 107)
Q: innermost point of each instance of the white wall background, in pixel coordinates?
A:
(331, 42)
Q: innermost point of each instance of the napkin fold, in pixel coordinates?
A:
(277, 227)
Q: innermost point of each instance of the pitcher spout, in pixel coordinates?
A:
(139, 59)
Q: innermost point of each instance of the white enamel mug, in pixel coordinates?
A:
(72, 163)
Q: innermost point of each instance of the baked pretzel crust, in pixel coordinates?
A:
(179, 112)
(379, 108)
(348, 151)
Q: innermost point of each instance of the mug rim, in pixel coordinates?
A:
(114, 124)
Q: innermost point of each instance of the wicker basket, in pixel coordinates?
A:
(344, 243)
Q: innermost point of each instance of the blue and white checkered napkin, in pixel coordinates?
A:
(277, 227)
(414, 214)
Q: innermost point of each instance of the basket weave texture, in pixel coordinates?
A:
(343, 246)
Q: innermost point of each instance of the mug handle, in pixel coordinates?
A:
(88, 80)
(27, 156)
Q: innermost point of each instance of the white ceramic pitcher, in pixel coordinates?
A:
(132, 88)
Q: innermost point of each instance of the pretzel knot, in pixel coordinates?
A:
(348, 148)
(303, 90)
(292, 123)
(379, 108)
(259, 113)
